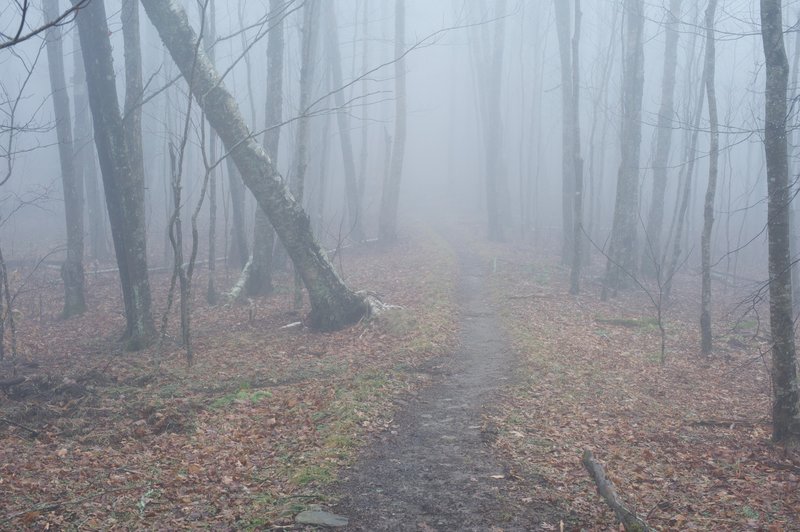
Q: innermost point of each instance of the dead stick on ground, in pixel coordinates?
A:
(50, 506)
(606, 489)
(34, 433)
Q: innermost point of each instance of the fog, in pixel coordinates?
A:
(445, 158)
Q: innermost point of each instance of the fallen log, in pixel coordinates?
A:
(605, 488)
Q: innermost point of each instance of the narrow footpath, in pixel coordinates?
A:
(435, 469)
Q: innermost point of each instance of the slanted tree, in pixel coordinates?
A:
(622, 253)
(124, 187)
(333, 304)
(72, 267)
(785, 392)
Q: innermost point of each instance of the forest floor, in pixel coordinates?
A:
(467, 408)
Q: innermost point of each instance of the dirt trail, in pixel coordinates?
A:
(435, 469)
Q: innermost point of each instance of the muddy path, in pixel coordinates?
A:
(435, 470)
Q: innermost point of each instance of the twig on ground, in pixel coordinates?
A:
(606, 489)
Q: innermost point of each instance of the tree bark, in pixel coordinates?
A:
(343, 120)
(310, 29)
(622, 254)
(85, 165)
(72, 267)
(333, 304)
(123, 186)
(390, 197)
(568, 113)
(238, 254)
(577, 158)
(212, 297)
(713, 158)
(785, 394)
(663, 143)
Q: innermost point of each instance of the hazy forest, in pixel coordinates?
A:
(399, 265)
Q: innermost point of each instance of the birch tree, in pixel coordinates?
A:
(333, 304)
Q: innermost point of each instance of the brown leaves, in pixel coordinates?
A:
(684, 442)
(261, 423)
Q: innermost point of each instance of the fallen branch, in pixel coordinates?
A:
(54, 505)
(531, 296)
(606, 489)
(34, 433)
(727, 423)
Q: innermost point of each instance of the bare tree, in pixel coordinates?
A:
(23, 11)
(85, 163)
(311, 12)
(335, 64)
(626, 208)
(333, 304)
(390, 197)
(568, 120)
(663, 141)
(72, 267)
(713, 158)
(785, 393)
(123, 186)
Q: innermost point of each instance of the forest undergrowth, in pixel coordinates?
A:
(261, 425)
(686, 443)
(252, 433)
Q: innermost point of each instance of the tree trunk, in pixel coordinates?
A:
(85, 166)
(333, 304)
(622, 254)
(663, 143)
(390, 197)
(124, 188)
(259, 280)
(238, 254)
(786, 397)
(311, 12)
(212, 297)
(342, 118)
(713, 158)
(562, 12)
(72, 268)
(577, 158)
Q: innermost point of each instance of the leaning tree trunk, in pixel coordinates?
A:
(785, 394)
(343, 119)
(655, 220)
(333, 304)
(622, 254)
(713, 158)
(72, 268)
(124, 187)
(390, 197)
